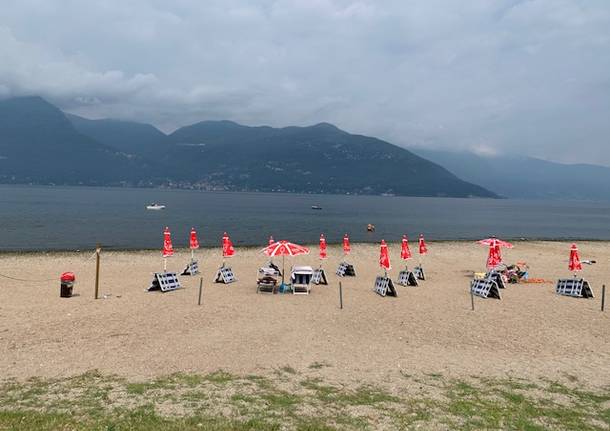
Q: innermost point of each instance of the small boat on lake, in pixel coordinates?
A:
(155, 207)
(316, 207)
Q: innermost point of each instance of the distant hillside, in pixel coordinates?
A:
(526, 177)
(39, 145)
(319, 159)
(127, 136)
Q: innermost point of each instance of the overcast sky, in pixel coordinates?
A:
(529, 77)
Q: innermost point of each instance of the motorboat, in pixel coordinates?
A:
(155, 207)
(316, 207)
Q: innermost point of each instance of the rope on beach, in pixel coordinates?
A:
(40, 280)
(28, 280)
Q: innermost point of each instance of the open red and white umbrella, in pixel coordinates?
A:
(227, 246)
(346, 246)
(494, 258)
(574, 264)
(405, 252)
(168, 248)
(322, 247)
(384, 256)
(284, 248)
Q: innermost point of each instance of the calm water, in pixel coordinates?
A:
(33, 218)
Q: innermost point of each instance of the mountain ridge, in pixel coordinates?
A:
(526, 177)
(211, 155)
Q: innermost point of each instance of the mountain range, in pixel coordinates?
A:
(526, 177)
(39, 144)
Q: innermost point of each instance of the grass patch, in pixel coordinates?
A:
(222, 401)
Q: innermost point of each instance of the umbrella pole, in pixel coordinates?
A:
(192, 255)
(283, 269)
(164, 264)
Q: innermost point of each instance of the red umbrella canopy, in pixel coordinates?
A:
(227, 246)
(346, 246)
(494, 258)
(193, 241)
(271, 241)
(574, 264)
(405, 253)
(423, 249)
(384, 256)
(168, 248)
(284, 248)
(322, 246)
(495, 241)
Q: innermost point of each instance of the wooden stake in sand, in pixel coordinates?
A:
(340, 296)
(603, 296)
(200, 289)
(98, 249)
(472, 298)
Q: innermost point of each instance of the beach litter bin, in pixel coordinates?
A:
(67, 280)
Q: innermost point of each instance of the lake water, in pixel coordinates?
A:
(68, 218)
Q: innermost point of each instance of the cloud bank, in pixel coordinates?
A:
(529, 77)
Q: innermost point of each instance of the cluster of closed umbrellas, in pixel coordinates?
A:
(285, 248)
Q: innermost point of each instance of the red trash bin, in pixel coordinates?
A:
(67, 280)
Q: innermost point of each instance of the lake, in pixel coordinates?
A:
(69, 218)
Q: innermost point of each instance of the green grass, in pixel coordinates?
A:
(291, 400)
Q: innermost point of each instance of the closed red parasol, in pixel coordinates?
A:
(384, 256)
(193, 241)
(168, 248)
(423, 249)
(322, 246)
(346, 246)
(227, 246)
(271, 241)
(405, 252)
(574, 264)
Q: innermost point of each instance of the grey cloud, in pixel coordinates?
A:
(492, 76)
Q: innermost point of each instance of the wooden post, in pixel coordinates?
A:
(603, 296)
(200, 289)
(340, 296)
(98, 248)
(472, 299)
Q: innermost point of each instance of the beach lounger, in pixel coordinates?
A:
(485, 288)
(384, 286)
(300, 277)
(267, 280)
(225, 275)
(192, 268)
(419, 273)
(319, 277)
(575, 287)
(164, 281)
(346, 270)
(407, 278)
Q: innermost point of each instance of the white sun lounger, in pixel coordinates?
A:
(300, 277)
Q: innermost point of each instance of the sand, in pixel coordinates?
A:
(530, 333)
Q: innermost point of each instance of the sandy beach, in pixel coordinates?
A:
(530, 333)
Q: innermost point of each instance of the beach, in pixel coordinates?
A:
(530, 333)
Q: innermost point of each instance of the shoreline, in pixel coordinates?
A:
(313, 247)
